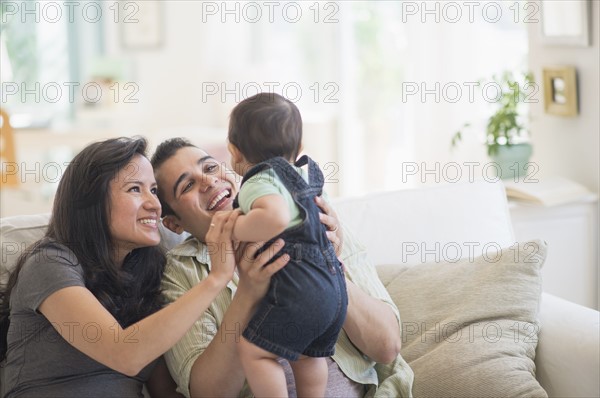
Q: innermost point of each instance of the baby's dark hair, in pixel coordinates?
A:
(265, 126)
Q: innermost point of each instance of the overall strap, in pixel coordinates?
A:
(289, 176)
(255, 170)
(315, 176)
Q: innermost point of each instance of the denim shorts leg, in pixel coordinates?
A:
(287, 323)
(324, 345)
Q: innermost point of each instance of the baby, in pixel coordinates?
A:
(304, 310)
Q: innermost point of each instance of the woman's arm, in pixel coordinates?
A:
(218, 370)
(83, 322)
(268, 217)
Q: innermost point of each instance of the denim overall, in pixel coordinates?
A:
(305, 307)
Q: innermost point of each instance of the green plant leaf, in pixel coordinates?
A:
(503, 125)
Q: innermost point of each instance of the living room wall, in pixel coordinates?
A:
(371, 126)
(568, 146)
(170, 76)
(369, 143)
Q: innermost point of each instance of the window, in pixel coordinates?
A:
(44, 47)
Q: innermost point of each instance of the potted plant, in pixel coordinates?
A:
(506, 134)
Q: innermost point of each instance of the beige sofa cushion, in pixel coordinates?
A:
(16, 234)
(470, 328)
(19, 232)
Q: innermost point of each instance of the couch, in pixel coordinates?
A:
(426, 244)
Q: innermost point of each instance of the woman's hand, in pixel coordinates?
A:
(220, 245)
(255, 276)
(330, 219)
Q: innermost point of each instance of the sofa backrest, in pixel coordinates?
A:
(415, 225)
(17, 233)
(406, 226)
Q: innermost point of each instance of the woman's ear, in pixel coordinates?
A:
(172, 224)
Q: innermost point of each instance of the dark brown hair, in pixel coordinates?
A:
(165, 151)
(265, 126)
(80, 221)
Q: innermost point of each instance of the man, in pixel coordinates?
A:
(193, 187)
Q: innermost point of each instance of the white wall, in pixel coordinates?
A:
(199, 49)
(569, 146)
(171, 77)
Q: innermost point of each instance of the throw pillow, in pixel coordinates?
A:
(16, 234)
(469, 328)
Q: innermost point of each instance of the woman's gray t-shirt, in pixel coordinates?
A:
(40, 362)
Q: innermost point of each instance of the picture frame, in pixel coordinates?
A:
(565, 22)
(142, 25)
(560, 91)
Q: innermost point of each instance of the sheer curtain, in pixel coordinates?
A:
(420, 63)
(450, 59)
(405, 76)
(350, 67)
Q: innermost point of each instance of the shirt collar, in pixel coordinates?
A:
(192, 247)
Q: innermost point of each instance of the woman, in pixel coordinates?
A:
(81, 315)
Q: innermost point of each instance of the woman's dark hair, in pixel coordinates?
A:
(265, 126)
(80, 221)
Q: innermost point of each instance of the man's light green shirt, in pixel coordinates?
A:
(189, 263)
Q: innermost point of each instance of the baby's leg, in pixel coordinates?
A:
(264, 374)
(311, 376)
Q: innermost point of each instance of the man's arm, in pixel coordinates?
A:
(160, 384)
(372, 325)
(205, 361)
(372, 321)
(218, 370)
(180, 275)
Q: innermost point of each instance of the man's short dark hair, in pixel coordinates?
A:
(265, 126)
(165, 151)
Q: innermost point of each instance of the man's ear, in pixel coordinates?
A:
(171, 222)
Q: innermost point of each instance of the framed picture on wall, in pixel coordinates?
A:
(560, 90)
(565, 22)
(142, 25)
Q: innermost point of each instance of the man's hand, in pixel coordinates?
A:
(255, 276)
(330, 219)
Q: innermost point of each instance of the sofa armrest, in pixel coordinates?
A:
(568, 353)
